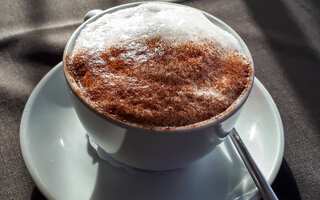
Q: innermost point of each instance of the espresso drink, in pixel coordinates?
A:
(157, 65)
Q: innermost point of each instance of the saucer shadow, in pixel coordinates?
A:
(36, 194)
(229, 178)
(285, 185)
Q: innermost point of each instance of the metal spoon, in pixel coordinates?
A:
(264, 188)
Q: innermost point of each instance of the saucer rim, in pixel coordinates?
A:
(27, 156)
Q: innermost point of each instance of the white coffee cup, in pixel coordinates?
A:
(156, 149)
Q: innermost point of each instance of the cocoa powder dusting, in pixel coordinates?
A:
(159, 83)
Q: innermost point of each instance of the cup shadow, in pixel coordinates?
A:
(228, 177)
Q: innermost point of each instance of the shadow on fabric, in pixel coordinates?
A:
(285, 180)
(292, 50)
(36, 194)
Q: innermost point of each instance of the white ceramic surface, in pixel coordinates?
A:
(158, 148)
(63, 164)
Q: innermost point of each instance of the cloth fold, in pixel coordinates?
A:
(283, 37)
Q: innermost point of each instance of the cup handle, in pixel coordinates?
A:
(91, 13)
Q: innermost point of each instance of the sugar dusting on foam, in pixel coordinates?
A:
(158, 65)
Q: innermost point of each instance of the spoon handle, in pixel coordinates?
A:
(264, 188)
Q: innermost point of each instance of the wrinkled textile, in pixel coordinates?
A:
(283, 37)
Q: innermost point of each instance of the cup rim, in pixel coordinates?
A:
(217, 119)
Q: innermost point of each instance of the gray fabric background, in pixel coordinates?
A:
(283, 37)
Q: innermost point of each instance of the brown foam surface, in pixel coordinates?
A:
(160, 83)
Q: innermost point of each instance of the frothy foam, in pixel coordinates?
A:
(151, 20)
(158, 65)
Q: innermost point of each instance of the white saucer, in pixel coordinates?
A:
(63, 164)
